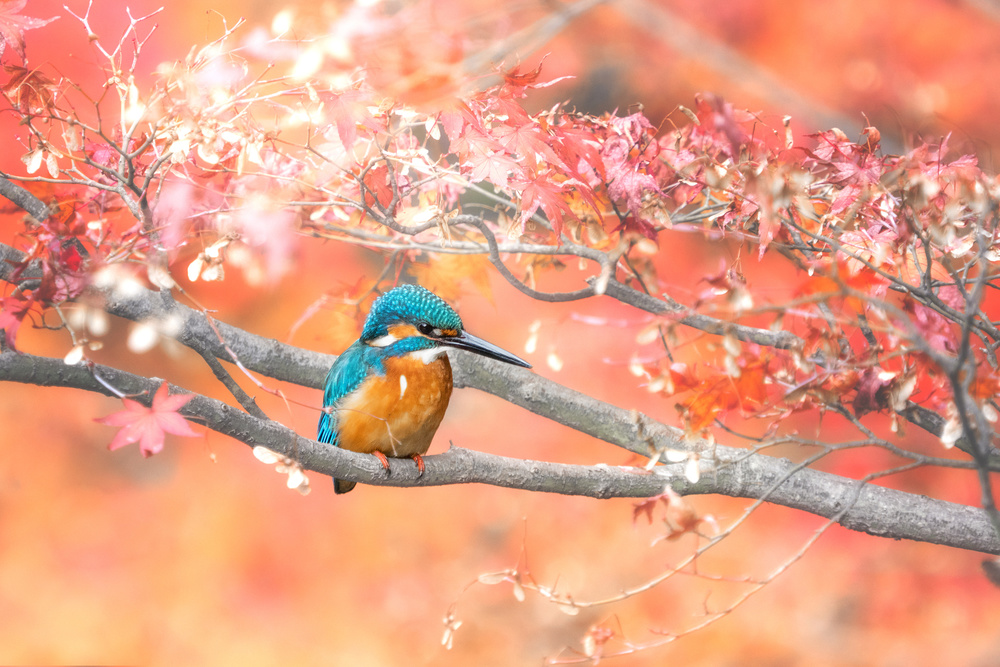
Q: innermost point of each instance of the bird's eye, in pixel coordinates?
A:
(425, 328)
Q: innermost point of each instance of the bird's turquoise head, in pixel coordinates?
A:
(412, 306)
(410, 318)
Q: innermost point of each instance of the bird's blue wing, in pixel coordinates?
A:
(346, 375)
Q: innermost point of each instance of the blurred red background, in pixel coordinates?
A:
(200, 555)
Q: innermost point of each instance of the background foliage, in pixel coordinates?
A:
(201, 554)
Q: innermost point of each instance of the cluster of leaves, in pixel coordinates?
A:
(894, 254)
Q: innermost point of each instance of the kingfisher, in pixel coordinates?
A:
(387, 393)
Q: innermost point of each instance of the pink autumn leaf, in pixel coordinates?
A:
(102, 153)
(528, 141)
(872, 391)
(348, 110)
(627, 177)
(497, 168)
(13, 25)
(147, 426)
(937, 330)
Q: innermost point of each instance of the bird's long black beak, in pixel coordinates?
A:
(466, 341)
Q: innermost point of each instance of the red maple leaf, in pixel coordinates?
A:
(517, 82)
(721, 127)
(580, 151)
(546, 193)
(852, 166)
(12, 312)
(378, 187)
(147, 426)
(13, 25)
(472, 141)
(644, 508)
(502, 100)
(637, 225)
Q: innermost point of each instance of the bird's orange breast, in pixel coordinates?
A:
(399, 412)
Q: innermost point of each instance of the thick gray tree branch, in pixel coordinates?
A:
(873, 509)
(35, 207)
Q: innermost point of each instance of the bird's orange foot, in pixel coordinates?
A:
(420, 464)
(383, 460)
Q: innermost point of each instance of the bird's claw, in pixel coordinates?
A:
(383, 460)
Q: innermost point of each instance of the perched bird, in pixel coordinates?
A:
(387, 393)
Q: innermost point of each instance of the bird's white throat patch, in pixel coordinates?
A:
(428, 355)
(384, 341)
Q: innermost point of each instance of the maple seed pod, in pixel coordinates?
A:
(554, 361)
(518, 591)
(491, 578)
(532, 343)
(194, 268)
(568, 607)
(97, 321)
(452, 625)
(74, 356)
(692, 472)
(265, 455)
(691, 115)
(143, 337)
(732, 345)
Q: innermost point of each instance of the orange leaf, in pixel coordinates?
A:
(446, 275)
(29, 91)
